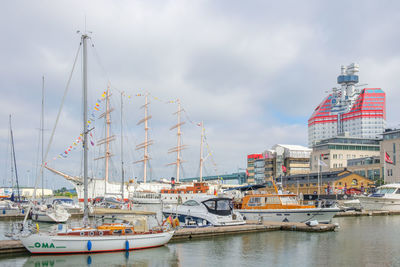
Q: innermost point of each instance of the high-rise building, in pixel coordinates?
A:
(348, 110)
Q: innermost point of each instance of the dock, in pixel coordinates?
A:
(366, 213)
(15, 246)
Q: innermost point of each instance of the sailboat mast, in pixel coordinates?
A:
(42, 136)
(122, 152)
(15, 161)
(179, 146)
(85, 140)
(178, 159)
(146, 139)
(201, 151)
(108, 122)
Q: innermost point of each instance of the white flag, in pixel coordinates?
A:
(321, 163)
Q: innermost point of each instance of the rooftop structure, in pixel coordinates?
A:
(348, 110)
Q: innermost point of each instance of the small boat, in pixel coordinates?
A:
(53, 213)
(203, 211)
(387, 198)
(283, 208)
(8, 207)
(67, 203)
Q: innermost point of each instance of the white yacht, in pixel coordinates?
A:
(67, 203)
(203, 211)
(386, 198)
(50, 213)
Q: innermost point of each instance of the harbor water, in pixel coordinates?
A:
(360, 241)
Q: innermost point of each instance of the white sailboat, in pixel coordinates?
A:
(96, 238)
(47, 212)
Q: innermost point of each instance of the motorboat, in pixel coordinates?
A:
(67, 203)
(386, 198)
(283, 208)
(53, 213)
(203, 211)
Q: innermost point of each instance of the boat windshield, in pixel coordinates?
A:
(60, 201)
(222, 207)
(191, 203)
(386, 190)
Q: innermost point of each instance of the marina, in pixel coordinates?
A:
(207, 133)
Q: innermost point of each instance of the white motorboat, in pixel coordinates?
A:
(67, 203)
(386, 198)
(203, 211)
(50, 213)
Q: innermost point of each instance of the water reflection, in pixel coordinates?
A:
(161, 256)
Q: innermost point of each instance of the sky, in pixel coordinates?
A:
(251, 71)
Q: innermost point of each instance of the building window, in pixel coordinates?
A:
(334, 156)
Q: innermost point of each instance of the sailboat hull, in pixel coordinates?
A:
(55, 244)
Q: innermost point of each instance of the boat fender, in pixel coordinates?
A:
(100, 233)
(89, 245)
(60, 227)
(127, 245)
(37, 227)
(91, 233)
(82, 233)
(4, 211)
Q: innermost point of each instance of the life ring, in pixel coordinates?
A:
(91, 233)
(100, 233)
(82, 233)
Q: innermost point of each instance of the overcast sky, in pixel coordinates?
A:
(253, 71)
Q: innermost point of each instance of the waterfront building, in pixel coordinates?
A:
(348, 110)
(389, 155)
(250, 167)
(369, 167)
(333, 182)
(334, 153)
(278, 161)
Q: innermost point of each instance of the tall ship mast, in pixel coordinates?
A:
(106, 141)
(179, 147)
(147, 142)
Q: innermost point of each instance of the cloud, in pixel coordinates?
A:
(253, 73)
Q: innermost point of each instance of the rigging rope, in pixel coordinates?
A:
(55, 126)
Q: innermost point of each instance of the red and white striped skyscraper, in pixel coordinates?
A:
(349, 110)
